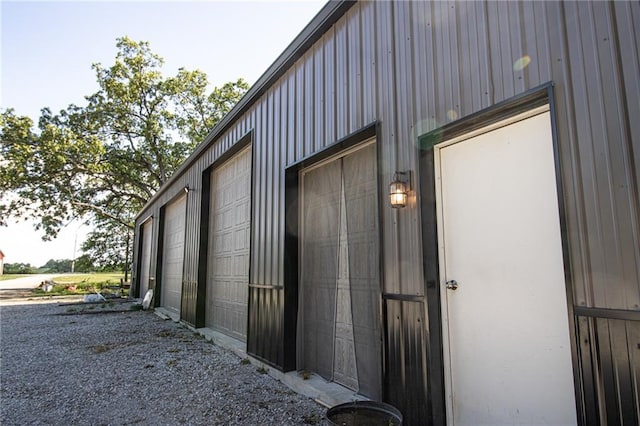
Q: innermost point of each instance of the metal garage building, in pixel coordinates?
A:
(507, 290)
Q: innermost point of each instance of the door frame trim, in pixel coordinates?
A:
(527, 101)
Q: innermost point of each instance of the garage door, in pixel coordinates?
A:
(340, 287)
(145, 258)
(229, 239)
(173, 256)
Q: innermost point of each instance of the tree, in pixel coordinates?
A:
(59, 265)
(107, 248)
(103, 161)
(19, 268)
(83, 264)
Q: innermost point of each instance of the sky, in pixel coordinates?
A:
(47, 49)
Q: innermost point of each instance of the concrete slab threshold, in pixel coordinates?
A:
(312, 386)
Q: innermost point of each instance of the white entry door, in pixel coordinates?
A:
(506, 331)
(145, 257)
(174, 224)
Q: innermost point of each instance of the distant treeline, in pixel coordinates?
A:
(82, 264)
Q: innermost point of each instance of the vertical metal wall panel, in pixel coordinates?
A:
(606, 168)
(385, 102)
(329, 74)
(611, 370)
(289, 122)
(190, 274)
(424, 80)
(317, 106)
(297, 104)
(409, 276)
(281, 143)
(269, 188)
(407, 361)
(352, 84)
(341, 65)
(627, 20)
(258, 273)
(309, 102)
(369, 62)
(265, 325)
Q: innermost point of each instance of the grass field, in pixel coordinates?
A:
(82, 284)
(101, 278)
(11, 276)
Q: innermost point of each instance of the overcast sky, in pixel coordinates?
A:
(47, 49)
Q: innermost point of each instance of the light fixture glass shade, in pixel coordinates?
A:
(398, 194)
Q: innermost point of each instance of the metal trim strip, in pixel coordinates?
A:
(617, 314)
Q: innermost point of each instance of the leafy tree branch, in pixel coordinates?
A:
(102, 161)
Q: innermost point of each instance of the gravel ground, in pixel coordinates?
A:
(65, 365)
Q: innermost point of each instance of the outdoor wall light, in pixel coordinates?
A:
(399, 190)
(186, 189)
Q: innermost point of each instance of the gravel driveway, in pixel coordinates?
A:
(70, 365)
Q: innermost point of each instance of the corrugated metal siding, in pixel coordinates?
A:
(265, 325)
(610, 361)
(192, 240)
(448, 61)
(415, 66)
(406, 361)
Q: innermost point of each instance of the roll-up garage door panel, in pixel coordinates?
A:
(227, 291)
(174, 232)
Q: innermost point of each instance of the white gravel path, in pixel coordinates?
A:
(60, 366)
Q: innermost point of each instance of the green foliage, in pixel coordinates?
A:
(84, 264)
(18, 268)
(61, 265)
(103, 161)
(107, 246)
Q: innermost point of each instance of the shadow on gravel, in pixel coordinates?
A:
(8, 294)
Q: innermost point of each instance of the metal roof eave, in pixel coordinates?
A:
(323, 20)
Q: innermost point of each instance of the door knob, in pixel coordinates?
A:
(452, 285)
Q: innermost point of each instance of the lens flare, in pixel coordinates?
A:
(521, 63)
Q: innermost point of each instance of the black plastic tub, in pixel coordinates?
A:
(369, 413)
